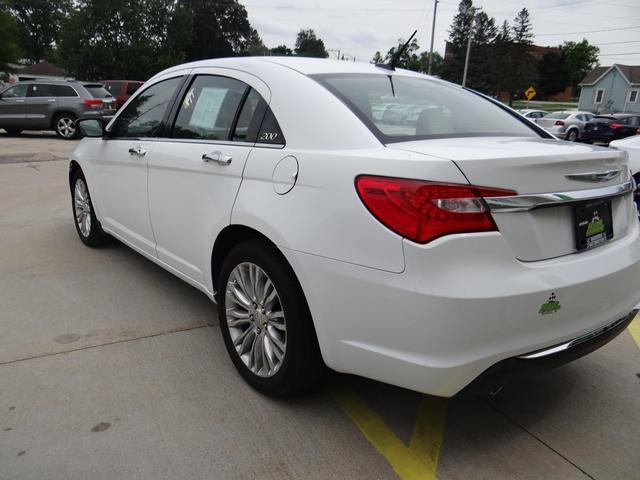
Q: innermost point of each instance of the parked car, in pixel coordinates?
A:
(52, 105)
(532, 115)
(442, 256)
(606, 128)
(121, 89)
(567, 124)
(631, 145)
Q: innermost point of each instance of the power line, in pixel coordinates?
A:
(618, 43)
(586, 31)
(617, 54)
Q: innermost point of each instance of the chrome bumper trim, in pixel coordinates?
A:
(524, 203)
(575, 342)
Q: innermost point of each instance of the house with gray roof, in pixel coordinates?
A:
(611, 89)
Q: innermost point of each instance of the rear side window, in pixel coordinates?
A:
(132, 87)
(63, 91)
(399, 108)
(558, 115)
(208, 109)
(114, 88)
(248, 121)
(40, 90)
(143, 117)
(97, 90)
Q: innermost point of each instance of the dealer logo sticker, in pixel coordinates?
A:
(552, 305)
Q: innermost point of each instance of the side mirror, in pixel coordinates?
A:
(90, 127)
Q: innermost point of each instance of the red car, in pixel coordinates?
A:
(121, 89)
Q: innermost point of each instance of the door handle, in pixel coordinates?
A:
(217, 157)
(19, 101)
(141, 152)
(51, 100)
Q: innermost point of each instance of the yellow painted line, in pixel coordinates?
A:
(426, 440)
(417, 462)
(634, 328)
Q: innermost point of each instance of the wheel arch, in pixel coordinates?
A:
(229, 237)
(74, 166)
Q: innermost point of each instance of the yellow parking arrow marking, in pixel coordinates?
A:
(634, 328)
(419, 460)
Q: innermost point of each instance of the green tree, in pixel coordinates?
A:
(281, 50)
(123, 38)
(581, 57)
(524, 71)
(10, 52)
(255, 46)
(377, 58)
(436, 63)
(409, 58)
(457, 44)
(308, 45)
(553, 73)
(40, 23)
(220, 29)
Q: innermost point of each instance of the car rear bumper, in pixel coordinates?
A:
(462, 304)
(535, 362)
(596, 137)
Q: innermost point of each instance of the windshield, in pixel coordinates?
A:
(398, 108)
(97, 91)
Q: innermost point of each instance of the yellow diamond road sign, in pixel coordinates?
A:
(530, 93)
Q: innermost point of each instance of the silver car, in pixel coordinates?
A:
(567, 124)
(53, 105)
(532, 115)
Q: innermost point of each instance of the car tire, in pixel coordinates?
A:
(84, 217)
(573, 135)
(65, 126)
(12, 132)
(269, 335)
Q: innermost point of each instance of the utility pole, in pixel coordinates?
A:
(433, 30)
(466, 59)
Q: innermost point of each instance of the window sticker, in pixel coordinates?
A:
(205, 113)
(188, 98)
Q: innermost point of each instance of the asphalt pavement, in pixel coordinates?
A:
(112, 368)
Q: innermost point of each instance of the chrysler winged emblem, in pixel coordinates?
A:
(595, 176)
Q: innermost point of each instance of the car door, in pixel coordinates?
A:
(195, 175)
(120, 164)
(13, 108)
(41, 103)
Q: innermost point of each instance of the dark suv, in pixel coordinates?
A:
(53, 105)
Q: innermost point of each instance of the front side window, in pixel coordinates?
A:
(114, 88)
(16, 91)
(208, 109)
(599, 96)
(398, 108)
(144, 116)
(132, 87)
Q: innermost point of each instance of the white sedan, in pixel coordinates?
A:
(443, 255)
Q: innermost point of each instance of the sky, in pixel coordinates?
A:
(360, 27)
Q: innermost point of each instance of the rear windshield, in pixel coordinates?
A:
(557, 115)
(97, 90)
(398, 108)
(602, 119)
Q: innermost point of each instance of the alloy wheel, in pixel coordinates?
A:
(256, 319)
(82, 207)
(66, 126)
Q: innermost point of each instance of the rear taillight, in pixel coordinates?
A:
(559, 123)
(423, 211)
(615, 126)
(93, 103)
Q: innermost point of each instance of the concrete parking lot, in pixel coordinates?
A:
(112, 368)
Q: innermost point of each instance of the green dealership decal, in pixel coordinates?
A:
(552, 305)
(596, 225)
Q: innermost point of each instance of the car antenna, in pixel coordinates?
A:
(392, 65)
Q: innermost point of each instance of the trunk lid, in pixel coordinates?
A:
(536, 166)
